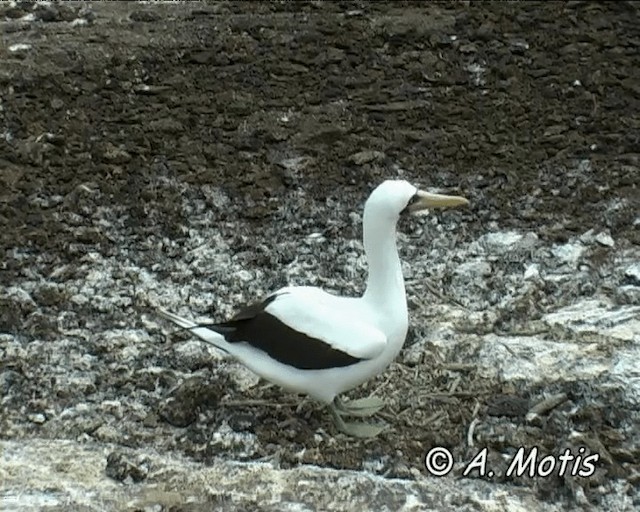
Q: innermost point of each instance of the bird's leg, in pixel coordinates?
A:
(361, 430)
(361, 408)
(302, 403)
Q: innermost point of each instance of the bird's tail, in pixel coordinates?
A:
(201, 331)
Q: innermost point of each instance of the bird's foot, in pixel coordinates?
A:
(361, 408)
(302, 404)
(355, 429)
(361, 430)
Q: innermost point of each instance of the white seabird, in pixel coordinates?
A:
(316, 343)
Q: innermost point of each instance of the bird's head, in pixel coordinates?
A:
(394, 198)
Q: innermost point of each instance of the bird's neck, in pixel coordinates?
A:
(385, 284)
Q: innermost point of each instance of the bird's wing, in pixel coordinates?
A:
(332, 320)
(305, 328)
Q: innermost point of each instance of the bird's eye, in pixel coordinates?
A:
(414, 199)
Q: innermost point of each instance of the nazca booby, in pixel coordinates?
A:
(319, 344)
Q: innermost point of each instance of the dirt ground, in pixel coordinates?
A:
(110, 125)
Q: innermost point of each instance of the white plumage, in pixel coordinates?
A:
(310, 341)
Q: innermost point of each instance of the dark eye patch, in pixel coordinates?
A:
(414, 199)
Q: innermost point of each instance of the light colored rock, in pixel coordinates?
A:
(587, 237)
(242, 377)
(365, 157)
(569, 253)
(474, 268)
(600, 316)
(195, 353)
(531, 272)
(633, 273)
(65, 474)
(626, 372)
(315, 238)
(605, 239)
(533, 359)
(37, 418)
(502, 240)
(19, 47)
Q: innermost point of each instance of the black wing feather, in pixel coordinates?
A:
(255, 326)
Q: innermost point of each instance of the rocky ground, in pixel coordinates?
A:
(195, 156)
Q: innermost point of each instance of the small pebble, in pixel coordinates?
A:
(37, 418)
(531, 272)
(605, 239)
